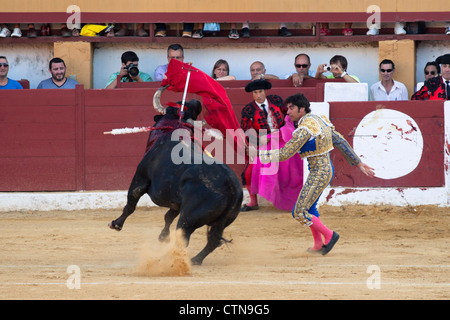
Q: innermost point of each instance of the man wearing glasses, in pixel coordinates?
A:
(174, 51)
(302, 63)
(5, 82)
(388, 89)
(437, 88)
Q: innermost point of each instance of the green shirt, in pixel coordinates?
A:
(354, 77)
(144, 76)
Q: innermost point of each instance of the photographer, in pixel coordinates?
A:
(338, 68)
(129, 72)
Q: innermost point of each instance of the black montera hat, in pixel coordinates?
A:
(445, 59)
(258, 84)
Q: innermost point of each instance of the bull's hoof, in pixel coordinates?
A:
(164, 238)
(114, 226)
(196, 261)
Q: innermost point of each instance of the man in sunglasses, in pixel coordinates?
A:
(437, 88)
(302, 64)
(388, 89)
(431, 70)
(5, 82)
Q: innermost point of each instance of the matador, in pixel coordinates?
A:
(313, 139)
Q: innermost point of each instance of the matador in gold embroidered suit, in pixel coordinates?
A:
(313, 139)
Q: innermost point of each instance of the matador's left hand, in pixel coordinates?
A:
(365, 169)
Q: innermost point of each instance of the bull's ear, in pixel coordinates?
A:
(172, 111)
(157, 117)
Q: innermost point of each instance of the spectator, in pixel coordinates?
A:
(58, 80)
(46, 30)
(233, 32)
(213, 28)
(338, 68)
(399, 29)
(302, 64)
(221, 71)
(174, 51)
(5, 32)
(437, 88)
(267, 113)
(5, 82)
(258, 71)
(123, 32)
(32, 33)
(161, 30)
(282, 31)
(130, 62)
(65, 32)
(198, 34)
(325, 30)
(431, 70)
(388, 89)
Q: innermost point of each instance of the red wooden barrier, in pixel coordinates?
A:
(52, 140)
(38, 140)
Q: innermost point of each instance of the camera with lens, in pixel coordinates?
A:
(327, 68)
(132, 69)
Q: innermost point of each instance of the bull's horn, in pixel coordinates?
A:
(157, 100)
(191, 122)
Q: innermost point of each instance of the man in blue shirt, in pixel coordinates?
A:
(174, 51)
(5, 82)
(57, 68)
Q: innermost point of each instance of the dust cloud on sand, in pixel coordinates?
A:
(165, 258)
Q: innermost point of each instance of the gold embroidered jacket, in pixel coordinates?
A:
(314, 136)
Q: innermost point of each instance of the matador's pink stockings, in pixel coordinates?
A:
(318, 229)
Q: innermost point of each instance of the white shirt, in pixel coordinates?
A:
(397, 93)
(269, 113)
(445, 85)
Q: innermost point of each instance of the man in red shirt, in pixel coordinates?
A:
(437, 88)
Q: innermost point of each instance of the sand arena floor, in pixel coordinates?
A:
(384, 253)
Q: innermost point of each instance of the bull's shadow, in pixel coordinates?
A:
(201, 194)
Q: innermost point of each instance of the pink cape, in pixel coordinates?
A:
(280, 182)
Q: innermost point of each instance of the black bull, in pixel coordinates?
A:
(202, 194)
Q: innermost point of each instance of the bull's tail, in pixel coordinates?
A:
(222, 239)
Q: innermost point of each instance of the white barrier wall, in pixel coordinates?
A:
(342, 91)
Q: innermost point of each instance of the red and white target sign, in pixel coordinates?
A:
(402, 141)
